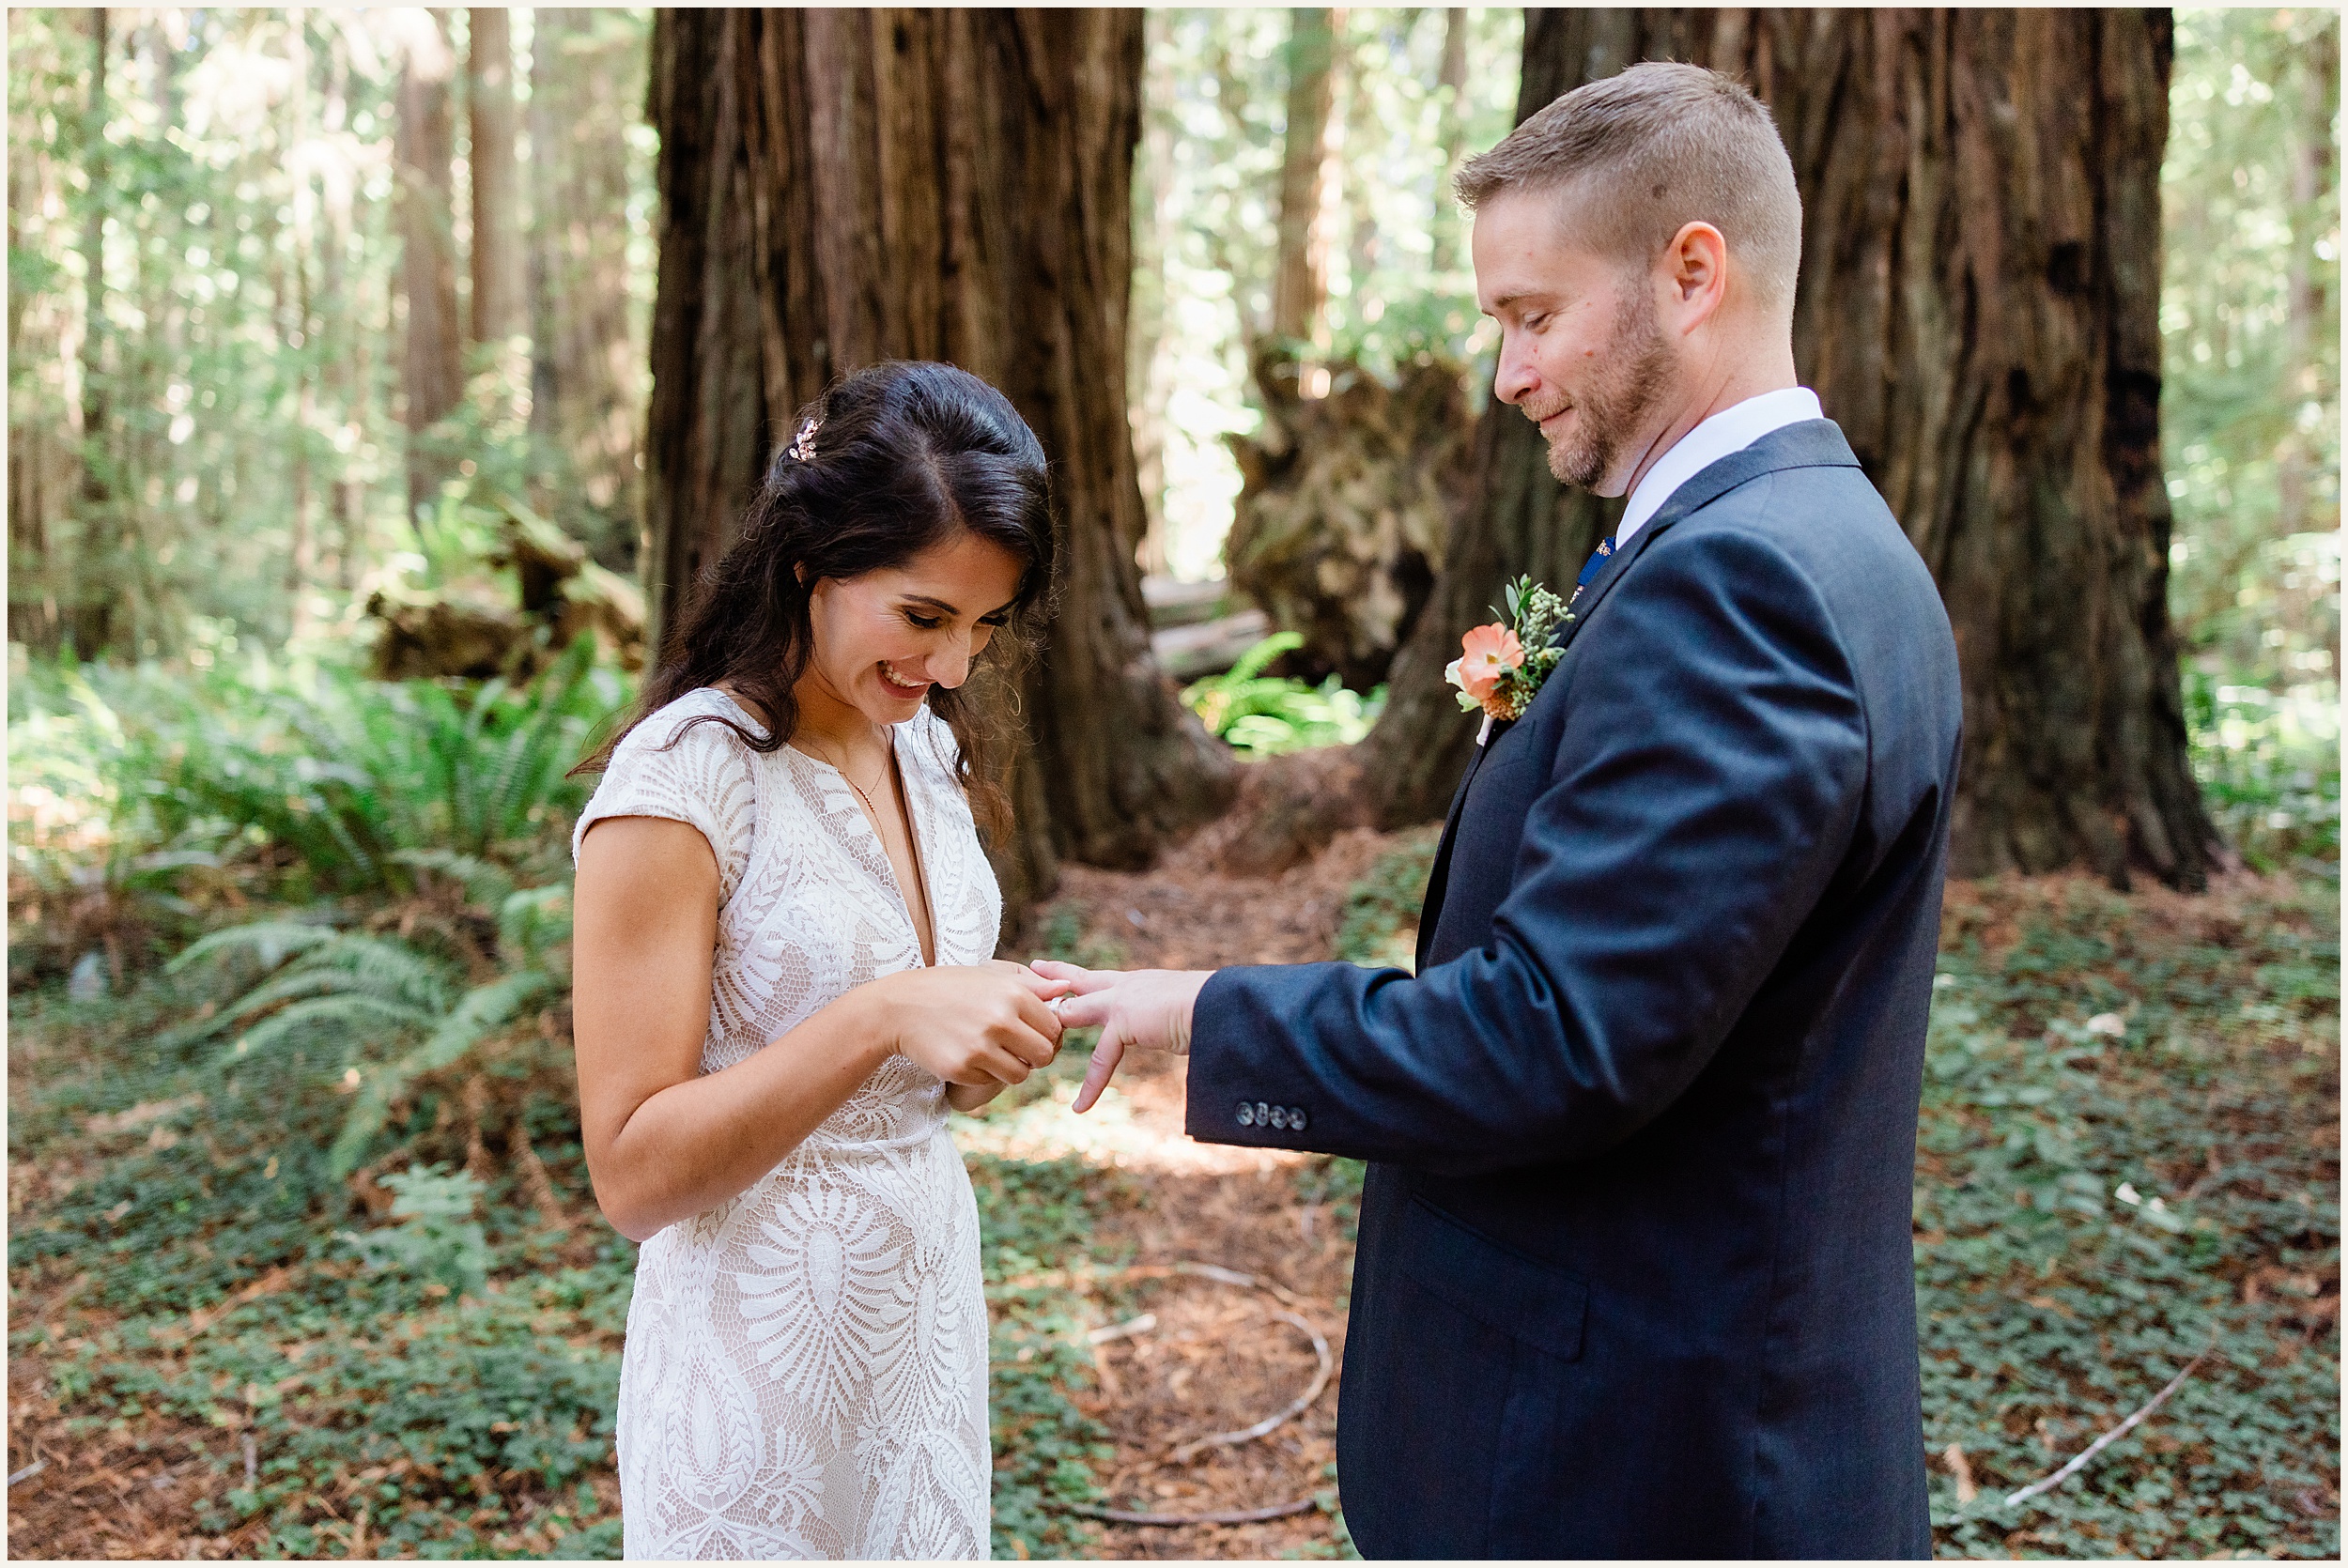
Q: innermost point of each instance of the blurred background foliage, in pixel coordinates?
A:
(2251, 418)
(356, 1083)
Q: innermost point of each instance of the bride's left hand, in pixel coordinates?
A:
(969, 1096)
(1146, 1009)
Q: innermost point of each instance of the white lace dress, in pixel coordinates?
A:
(805, 1373)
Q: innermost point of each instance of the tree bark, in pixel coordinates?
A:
(586, 357)
(843, 187)
(1300, 278)
(1979, 309)
(497, 230)
(433, 370)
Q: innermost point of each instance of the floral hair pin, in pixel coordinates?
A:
(1494, 671)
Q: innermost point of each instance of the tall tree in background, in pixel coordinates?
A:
(1451, 80)
(497, 225)
(432, 373)
(1147, 367)
(842, 187)
(41, 476)
(1979, 309)
(586, 356)
(2311, 174)
(1299, 278)
(92, 614)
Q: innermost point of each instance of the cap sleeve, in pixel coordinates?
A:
(698, 775)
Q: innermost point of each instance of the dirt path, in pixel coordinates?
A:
(1207, 1356)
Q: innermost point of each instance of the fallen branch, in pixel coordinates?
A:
(1185, 1452)
(1230, 1517)
(2076, 1464)
(1206, 1271)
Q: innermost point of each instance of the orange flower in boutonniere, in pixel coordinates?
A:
(1488, 655)
(1493, 672)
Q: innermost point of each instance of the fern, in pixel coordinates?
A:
(271, 942)
(484, 1009)
(485, 885)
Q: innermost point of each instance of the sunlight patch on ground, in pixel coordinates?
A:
(1137, 1126)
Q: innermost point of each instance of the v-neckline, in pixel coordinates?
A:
(913, 840)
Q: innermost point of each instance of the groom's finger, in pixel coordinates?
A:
(1081, 1011)
(1083, 979)
(1098, 1071)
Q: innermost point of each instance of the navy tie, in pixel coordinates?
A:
(1590, 569)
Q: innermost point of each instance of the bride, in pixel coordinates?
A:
(784, 978)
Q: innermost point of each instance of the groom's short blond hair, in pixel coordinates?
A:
(1646, 153)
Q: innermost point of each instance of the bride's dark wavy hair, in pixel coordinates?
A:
(890, 461)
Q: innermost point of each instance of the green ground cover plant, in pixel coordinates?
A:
(256, 1233)
(401, 1340)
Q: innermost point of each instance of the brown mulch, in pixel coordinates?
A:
(125, 1490)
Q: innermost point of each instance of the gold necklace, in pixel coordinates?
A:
(841, 769)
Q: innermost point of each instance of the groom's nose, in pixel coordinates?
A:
(1513, 376)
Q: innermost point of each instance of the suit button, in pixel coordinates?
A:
(1296, 1118)
(1246, 1114)
(1263, 1114)
(1279, 1115)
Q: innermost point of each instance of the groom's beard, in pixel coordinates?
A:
(1633, 372)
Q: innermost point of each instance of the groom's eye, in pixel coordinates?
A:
(927, 622)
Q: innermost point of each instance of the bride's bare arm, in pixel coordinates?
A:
(665, 1142)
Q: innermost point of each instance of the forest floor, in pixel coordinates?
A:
(2086, 1044)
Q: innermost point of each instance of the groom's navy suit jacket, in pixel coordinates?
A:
(1636, 1275)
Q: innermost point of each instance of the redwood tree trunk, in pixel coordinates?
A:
(433, 371)
(1979, 309)
(843, 187)
(497, 230)
(1300, 271)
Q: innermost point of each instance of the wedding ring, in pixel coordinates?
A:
(1054, 1004)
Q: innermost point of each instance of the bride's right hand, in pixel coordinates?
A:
(978, 1024)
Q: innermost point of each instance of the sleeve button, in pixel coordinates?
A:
(1296, 1118)
(1279, 1115)
(1263, 1114)
(1246, 1114)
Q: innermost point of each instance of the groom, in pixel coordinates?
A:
(1634, 1277)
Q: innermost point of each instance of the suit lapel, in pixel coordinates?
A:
(1810, 444)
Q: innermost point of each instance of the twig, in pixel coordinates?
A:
(1186, 1451)
(1206, 1271)
(1230, 1517)
(268, 1285)
(2076, 1464)
(29, 1471)
(1126, 1330)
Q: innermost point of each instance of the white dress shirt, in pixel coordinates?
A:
(1732, 430)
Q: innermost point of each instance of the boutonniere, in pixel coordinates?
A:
(1494, 671)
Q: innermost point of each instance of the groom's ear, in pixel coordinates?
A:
(1696, 275)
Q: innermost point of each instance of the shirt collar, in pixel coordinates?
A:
(1732, 430)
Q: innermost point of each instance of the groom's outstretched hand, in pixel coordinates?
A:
(1144, 1009)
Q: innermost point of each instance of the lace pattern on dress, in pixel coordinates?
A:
(805, 1373)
